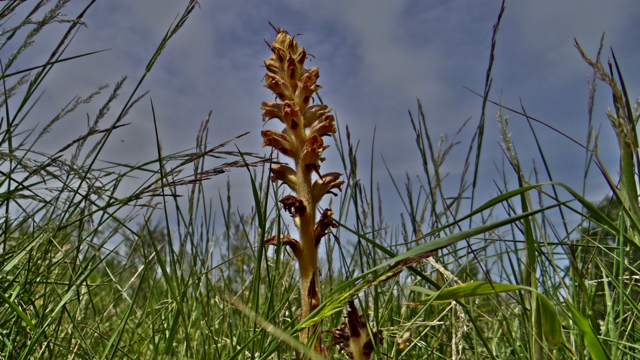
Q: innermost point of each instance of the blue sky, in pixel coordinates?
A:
(375, 58)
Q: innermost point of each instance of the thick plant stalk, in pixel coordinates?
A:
(301, 140)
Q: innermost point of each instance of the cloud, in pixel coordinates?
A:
(375, 59)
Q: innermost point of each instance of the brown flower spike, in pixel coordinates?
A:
(301, 140)
(352, 337)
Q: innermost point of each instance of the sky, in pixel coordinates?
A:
(376, 58)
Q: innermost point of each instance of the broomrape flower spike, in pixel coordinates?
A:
(301, 140)
(352, 337)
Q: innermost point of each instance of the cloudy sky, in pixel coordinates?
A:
(375, 58)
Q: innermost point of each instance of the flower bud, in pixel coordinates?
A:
(323, 126)
(272, 110)
(300, 57)
(272, 66)
(325, 184)
(285, 174)
(307, 87)
(284, 41)
(279, 87)
(292, 116)
(313, 148)
(313, 113)
(278, 141)
(292, 71)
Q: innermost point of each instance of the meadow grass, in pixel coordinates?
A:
(89, 273)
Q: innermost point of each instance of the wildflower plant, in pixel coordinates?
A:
(301, 140)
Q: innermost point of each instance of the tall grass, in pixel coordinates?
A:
(87, 272)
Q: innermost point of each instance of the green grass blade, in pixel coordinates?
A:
(17, 310)
(339, 297)
(551, 324)
(51, 63)
(590, 338)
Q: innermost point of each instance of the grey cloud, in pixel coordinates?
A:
(375, 59)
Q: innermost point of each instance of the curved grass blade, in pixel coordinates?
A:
(590, 339)
(278, 333)
(551, 324)
(51, 63)
(17, 310)
(338, 297)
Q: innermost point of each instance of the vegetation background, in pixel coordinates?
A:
(103, 259)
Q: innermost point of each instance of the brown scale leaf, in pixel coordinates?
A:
(312, 293)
